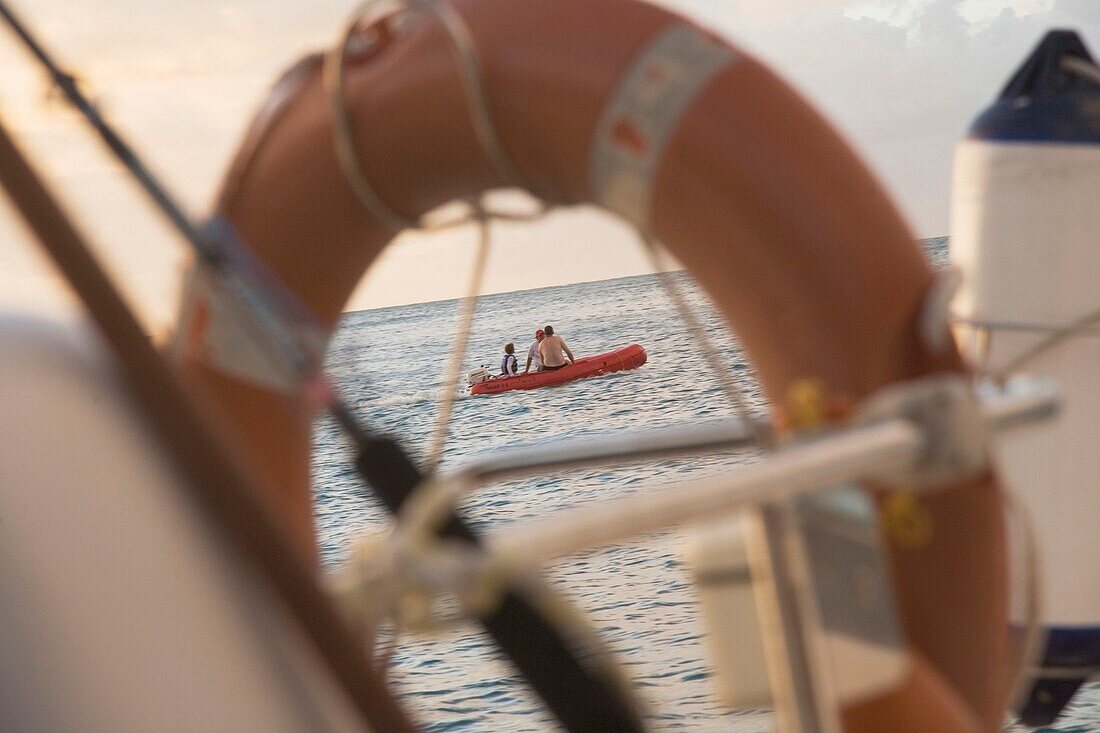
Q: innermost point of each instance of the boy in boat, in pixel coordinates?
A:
(554, 351)
(533, 355)
(508, 365)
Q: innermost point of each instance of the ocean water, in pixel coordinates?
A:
(637, 595)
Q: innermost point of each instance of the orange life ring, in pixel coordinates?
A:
(773, 214)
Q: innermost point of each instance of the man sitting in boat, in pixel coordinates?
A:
(533, 355)
(508, 365)
(554, 351)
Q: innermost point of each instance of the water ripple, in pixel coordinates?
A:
(637, 595)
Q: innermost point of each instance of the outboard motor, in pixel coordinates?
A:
(1025, 231)
(477, 376)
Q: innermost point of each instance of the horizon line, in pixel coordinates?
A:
(544, 287)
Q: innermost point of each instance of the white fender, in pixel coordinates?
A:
(1025, 231)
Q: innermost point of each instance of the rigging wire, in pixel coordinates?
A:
(534, 612)
(445, 405)
(549, 664)
(1056, 335)
(275, 313)
(222, 251)
(478, 214)
(462, 45)
(658, 260)
(1029, 567)
(223, 492)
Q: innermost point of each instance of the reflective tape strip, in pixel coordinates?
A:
(213, 329)
(643, 114)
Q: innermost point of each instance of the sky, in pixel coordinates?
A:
(901, 79)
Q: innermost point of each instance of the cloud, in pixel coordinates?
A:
(903, 79)
(1085, 10)
(730, 14)
(894, 75)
